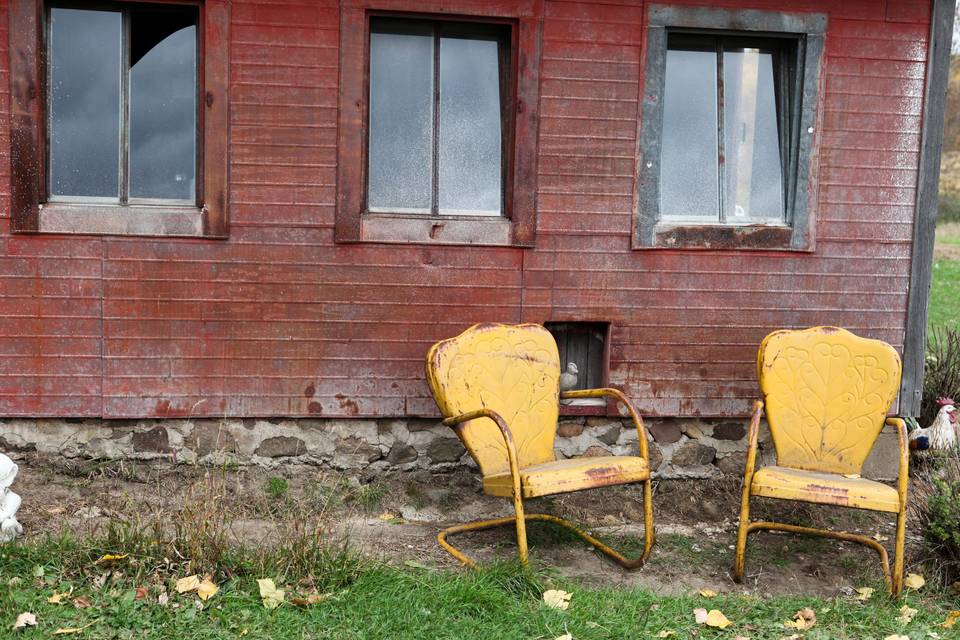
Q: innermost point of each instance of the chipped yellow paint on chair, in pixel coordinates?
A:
(513, 370)
(827, 393)
(498, 386)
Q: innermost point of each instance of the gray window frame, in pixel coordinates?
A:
(797, 234)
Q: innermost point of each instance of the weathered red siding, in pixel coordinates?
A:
(280, 320)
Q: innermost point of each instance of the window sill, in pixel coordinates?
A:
(756, 237)
(131, 220)
(420, 229)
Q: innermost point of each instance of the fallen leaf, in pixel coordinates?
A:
(700, 615)
(864, 593)
(14, 581)
(556, 598)
(565, 636)
(62, 631)
(142, 592)
(666, 633)
(163, 599)
(914, 581)
(717, 619)
(906, 614)
(895, 636)
(81, 602)
(741, 638)
(880, 538)
(271, 596)
(110, 557)
(25, 619)
(951, 620)
(386, 516)
(207, 589)
(190, 583)
(38, 571)
(59, 596)
(313, 598)
(802, 620)
(100, 580)
(708, 593)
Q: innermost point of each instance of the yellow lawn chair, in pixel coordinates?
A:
(827, 393)
(498, 386)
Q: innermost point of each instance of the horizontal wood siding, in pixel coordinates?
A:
(280, 320)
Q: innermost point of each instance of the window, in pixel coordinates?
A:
(118, 140)
(437, 130)
(727, 129)
(122, 104)
(436, 118)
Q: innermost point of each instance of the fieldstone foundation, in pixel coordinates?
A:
(679, 447)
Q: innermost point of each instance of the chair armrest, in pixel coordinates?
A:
(752, 439)
(904, 474)
(454, 421)
(621, 398)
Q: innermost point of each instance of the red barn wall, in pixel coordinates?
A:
(281, 321)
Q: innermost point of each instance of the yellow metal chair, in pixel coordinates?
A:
(827, 393)
(498, 386)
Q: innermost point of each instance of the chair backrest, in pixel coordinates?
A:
(511, 369)
(826, 392)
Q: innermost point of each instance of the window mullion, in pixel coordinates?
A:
(435, 179)
(721, 158)
(125, 107)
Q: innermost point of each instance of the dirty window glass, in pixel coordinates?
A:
(163, 104)
(435, 118)
(84, 106)
(724, 125)
(116, 141)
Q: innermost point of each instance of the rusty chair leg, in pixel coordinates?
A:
(479, 525)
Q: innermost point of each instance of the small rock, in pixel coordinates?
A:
(729, 431)
(692, 431)
(655, 455)
(401, 453)
(692, 453)
(733, 464)
(595, 452)
(281, 447)
(445, 450)
(569, 429)
(88, 512)
(154, 441)
(610, 437)
(664, 432)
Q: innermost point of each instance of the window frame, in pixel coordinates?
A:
(517, 224)
(797, 232)
(30, 210)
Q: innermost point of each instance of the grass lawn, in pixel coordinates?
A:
(381, 601)
(945, 288)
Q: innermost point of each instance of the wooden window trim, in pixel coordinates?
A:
(30, 213)
(517, 227)
(798, 234)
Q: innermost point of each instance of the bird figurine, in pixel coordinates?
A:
(568, 379)
(940, 435)
(9, 501)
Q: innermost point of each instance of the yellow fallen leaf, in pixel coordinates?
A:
(81, 602)
(313, 598)
(666, 633)
(914, 581)
(700, 615)
(565, 636)
(741, 638)
(802, 620)
(556, 598)
(906, 614)
(864, 593)
(951, 620)
(386, 516)
(58, 597)
(717, 619)
(880, 538)
(62, 631)
(111, 557)
(271, 596)
(895, 636)
(207, 589)
(25, 619)
(190, 583)
(708, 593)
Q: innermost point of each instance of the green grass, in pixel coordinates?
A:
(500, 602)
(945, 294)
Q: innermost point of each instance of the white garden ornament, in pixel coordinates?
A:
(9, 501)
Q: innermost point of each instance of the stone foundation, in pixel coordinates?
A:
(679, 447)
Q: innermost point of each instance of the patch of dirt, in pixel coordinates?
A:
(946, 251)
(396, 517)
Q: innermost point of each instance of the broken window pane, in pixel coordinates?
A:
(84, 102)
(163, 107)
(401, 117)
(689, 172)
(753, 172)
(470, 140)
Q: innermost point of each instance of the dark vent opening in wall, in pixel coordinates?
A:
(584, 344)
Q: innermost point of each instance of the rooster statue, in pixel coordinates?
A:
(940, 435)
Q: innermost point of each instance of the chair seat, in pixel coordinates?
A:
(824, 488)
(573, 474)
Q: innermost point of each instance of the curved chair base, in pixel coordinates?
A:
(614, 555)
(837, 535)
